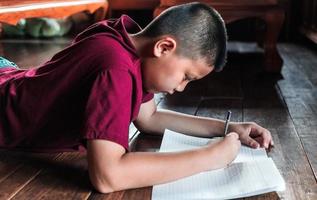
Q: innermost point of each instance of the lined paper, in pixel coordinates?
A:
(251, 173)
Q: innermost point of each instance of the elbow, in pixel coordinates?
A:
(103, 188)
(105, 184)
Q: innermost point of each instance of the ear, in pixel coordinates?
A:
(164, 46)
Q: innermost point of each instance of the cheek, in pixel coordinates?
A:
(169, 81)
(161, 78)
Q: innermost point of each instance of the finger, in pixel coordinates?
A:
(271, 142)
(270, 148)
(252, 143)
(265, 136)
(256, 130)
(262, 141)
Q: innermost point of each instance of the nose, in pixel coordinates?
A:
(181, 86)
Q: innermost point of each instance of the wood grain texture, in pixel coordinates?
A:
(32, 53)
(133, 5)
(17, 169)
(12, 11)
(64, 178)
(217, 108)
(268, 106)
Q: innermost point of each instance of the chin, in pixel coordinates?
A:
(155, 91)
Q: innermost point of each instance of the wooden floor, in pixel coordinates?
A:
(285, 104)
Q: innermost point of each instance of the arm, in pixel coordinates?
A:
(112, 169)
(151, 120)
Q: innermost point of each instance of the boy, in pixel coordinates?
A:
(87, 95)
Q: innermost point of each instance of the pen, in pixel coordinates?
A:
(227, 122)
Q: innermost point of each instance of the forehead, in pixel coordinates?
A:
(198, 68)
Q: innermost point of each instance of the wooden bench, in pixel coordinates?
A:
(133, 4)
(11, 11)
(231, 10)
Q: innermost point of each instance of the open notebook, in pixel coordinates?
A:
(251, 173)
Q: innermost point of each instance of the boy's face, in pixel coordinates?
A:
(172, 73)
(168, 72)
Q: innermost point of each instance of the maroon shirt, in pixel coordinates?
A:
(90, 90)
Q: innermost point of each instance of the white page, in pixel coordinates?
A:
(173, 141)
(238, 180)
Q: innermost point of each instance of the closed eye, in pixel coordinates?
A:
(187, 78)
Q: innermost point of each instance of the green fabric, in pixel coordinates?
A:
(39, 27)
(17, 30)
(6, 63)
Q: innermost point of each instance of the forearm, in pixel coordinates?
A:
(187, 124)
(136, 170)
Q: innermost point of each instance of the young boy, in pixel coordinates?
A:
(87, 95)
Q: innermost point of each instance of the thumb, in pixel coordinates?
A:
(233, 134)
(251, 142)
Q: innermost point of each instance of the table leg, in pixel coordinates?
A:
(274, 20)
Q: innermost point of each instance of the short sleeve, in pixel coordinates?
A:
(108, 110)
(147, 97)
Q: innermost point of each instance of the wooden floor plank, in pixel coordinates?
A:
(115, 195)
(17, 180)
(301, 98)
(181, 102)
(140, 193)
(288, 154)
(265, 105)
(225, 84)
(310, 146)
(24, 168)
(304, 59)
(7, 164)
(291, 158)
(31, 53)
(64, 178)
(217, 108)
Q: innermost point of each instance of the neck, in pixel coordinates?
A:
(140, 43)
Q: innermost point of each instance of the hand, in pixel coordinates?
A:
(225, 151)
(252, 134)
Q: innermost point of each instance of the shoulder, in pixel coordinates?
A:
(109, 51)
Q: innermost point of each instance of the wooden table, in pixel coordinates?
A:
(11, 11)
(133, 5)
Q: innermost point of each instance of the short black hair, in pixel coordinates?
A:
(199, 30)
